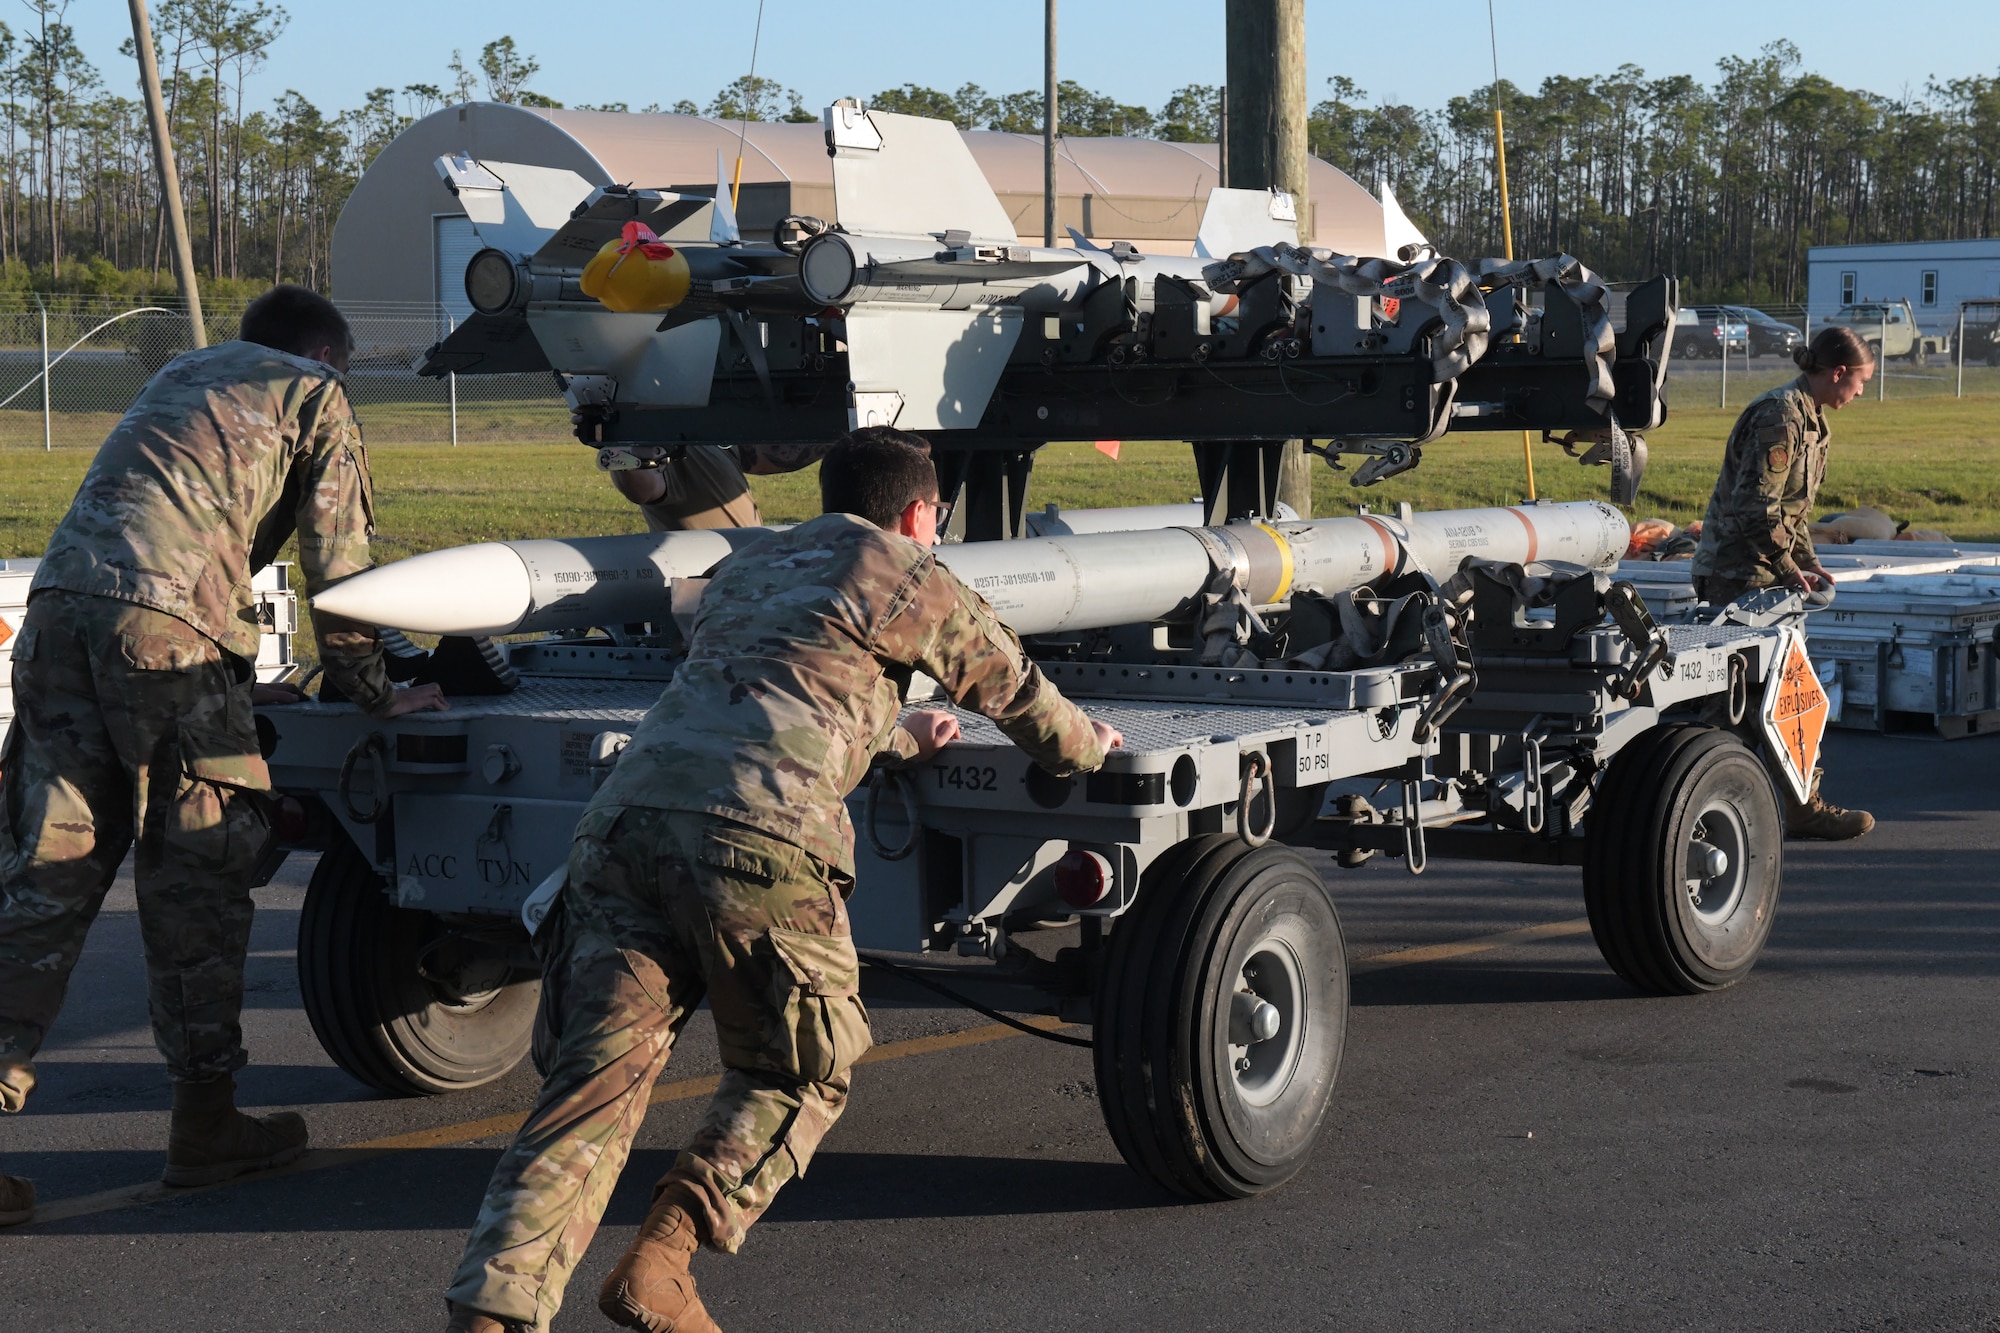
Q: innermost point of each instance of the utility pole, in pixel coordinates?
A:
(170, 176)
(1050, 120)
(1265, 144)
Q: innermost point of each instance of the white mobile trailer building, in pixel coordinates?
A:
(1934, 276)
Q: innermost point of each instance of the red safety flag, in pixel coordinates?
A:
(1109, 448)
(640, 237)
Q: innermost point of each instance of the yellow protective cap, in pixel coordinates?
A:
(637, 274)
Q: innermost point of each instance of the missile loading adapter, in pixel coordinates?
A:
(918, 307)
(1272, 680)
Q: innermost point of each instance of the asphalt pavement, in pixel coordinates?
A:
(1519, 1141)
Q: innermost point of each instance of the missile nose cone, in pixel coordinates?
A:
(481, 589)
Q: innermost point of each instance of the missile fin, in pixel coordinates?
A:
(1237, 221)
(921, 181)
(512, 206)
(722, 229)
(944, 363)
(1397, 229)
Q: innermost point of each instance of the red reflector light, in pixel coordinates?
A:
(1083, 879)
(289, 820)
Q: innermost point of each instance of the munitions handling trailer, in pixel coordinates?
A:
(1559, 727)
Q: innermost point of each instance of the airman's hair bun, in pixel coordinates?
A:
(1837, 346)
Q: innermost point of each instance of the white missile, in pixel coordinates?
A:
(531, 586)
(1095, 580)
(1037, 585)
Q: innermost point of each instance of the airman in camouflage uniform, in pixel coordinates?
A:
(716, 859)
(132, 685)
(1757, 532)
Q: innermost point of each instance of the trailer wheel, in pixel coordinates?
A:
(400, 999)
(1221, 1017)
(1683, 861)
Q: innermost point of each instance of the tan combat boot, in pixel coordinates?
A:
(17, 1200)
(465, 1319)
(650, 1287)
(212, 1141)
(1830, 822)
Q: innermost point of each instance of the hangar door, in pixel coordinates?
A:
(453, 244)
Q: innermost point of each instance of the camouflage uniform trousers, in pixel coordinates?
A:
(661, 908)
(128, 722)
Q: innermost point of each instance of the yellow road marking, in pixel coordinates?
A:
(1437, 953)
(498, 1126)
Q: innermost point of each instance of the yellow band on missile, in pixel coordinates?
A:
(1284, 588)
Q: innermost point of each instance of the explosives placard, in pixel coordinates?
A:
(1795, 713)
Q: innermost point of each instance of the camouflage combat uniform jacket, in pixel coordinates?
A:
(1757, 529)
(227, 452)
(790, 686)
(706, 488)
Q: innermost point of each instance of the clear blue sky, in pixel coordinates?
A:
(1138, 52)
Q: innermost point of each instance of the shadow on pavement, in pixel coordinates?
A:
(439, 1189)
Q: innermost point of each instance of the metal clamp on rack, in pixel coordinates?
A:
(1636, 623)
(1456, 680)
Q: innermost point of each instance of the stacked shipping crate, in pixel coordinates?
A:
(1909, 641)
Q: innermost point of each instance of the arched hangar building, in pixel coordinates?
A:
(402, 238)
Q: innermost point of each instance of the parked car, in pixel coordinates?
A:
(1890, 329)
(1982, 330)
(1704, 331)
(1768, 336)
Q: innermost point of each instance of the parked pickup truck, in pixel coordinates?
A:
(1890, 329)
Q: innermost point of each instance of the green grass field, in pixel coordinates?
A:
(1935, 462)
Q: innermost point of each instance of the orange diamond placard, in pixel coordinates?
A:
(1795, 713)
(6, 631)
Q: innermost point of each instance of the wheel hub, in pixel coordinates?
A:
(1267, 1021)
(1713, 868)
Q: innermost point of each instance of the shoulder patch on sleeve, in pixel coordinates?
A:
(1778, 459)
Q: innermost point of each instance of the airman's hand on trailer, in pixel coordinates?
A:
(418, 699)
(932, 729)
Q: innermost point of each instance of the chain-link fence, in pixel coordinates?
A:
(1723, 356)
(101, 353)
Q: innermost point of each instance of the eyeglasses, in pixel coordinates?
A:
(943, 508)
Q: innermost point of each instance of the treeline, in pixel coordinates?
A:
(1725, 184)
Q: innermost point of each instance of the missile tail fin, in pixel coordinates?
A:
(908, 176)
(1237, 221)
(938, 367)
(1397, 229)
(512, 206)
(722, 229)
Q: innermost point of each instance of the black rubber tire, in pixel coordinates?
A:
(362, 965)
(1167, 1077)
(1640, 837)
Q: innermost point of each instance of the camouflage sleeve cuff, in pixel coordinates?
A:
(351, 655)
(899, 747)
